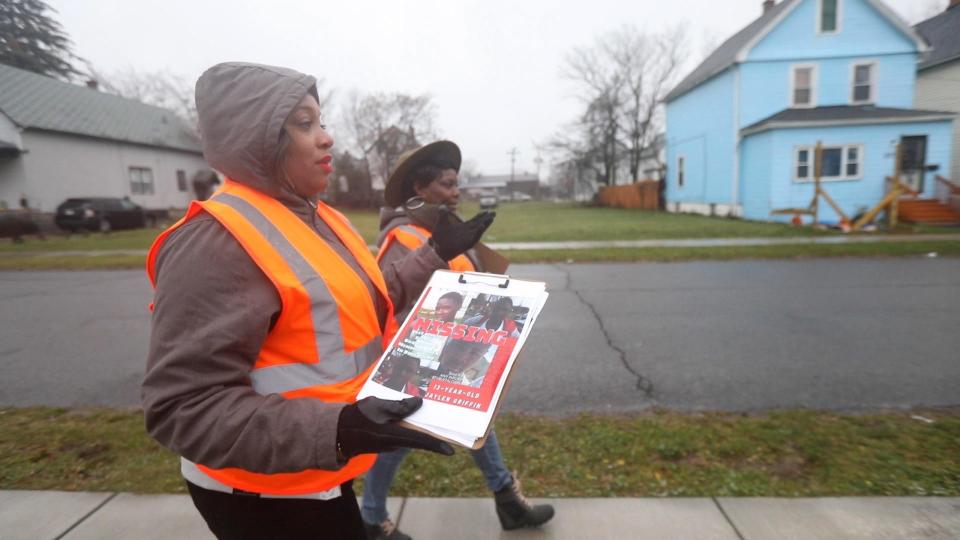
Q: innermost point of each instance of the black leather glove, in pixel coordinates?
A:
(369, 427)
(451, 236)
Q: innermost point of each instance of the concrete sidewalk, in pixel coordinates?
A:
(37, 515)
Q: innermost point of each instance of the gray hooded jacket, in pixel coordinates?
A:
(214, 307)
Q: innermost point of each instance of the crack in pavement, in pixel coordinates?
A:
(644, 384)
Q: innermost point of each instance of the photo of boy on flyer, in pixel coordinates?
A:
(400, 372)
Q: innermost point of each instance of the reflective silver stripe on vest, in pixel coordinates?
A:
(195, 476)
(335, 364)
(289, 377)
(411, 230)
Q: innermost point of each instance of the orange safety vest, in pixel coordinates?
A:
(327, 338)
(412, 237)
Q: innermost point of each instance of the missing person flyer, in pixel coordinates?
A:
(456, 350)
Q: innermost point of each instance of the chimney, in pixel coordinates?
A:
(768, 4)
(93, 84)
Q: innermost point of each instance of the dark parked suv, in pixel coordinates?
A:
(99, 214)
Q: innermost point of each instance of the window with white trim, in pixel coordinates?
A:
(680, 171)
(836, 163)
(829, 16)
(803, 163)
(802, 86)
(852, 163)
(863, 82)
(141, 181)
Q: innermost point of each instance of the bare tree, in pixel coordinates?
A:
(602, 88)
(622, 79)
(384, 125)
(649, 65)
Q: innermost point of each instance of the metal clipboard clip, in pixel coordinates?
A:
(485, 277)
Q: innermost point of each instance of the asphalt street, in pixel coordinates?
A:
(847, 334)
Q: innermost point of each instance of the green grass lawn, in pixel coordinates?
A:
(549, 222)
(793, 453)
(516, 222)
(139, 239)
(520, 222)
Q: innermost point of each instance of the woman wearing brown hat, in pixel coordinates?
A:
(423, 194)
(269, 313)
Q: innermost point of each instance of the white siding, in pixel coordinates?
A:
(938, 89)
(57, 166)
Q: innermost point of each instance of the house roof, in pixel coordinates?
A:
(941, 32)
(842, 115)
(735, 49)
(35, 101)
(8, 148)
(727, 53)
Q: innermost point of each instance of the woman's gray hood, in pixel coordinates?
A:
(241, 109)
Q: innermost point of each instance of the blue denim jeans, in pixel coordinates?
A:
(376, 484)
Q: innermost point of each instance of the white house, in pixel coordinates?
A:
(60, 140)
(938, 76)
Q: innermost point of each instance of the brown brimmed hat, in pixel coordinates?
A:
(400, 185)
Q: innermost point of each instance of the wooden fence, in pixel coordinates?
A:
(641, 195)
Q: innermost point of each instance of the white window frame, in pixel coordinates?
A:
(818, 23)
(141, 187)
(796, 163)
(814, 82)
(811, 149)
(874, 67)
(846, 160)
(681, 173)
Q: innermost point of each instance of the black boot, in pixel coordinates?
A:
(386, 530)
(515, 511)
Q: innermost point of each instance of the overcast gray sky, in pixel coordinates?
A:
(492, 66)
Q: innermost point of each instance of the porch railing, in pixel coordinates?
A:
(945, 189)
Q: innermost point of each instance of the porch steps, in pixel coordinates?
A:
(927, 211)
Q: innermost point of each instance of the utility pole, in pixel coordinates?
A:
(513, 159)
(538, 160)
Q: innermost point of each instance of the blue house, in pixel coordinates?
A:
(742, 127)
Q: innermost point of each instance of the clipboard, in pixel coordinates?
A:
(490, 260)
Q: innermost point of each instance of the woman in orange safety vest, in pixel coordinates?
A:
(422, 195)
(269, 313)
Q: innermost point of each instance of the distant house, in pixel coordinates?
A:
(742, 127)
(502, 184)
(938, 79)
(60, 140)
